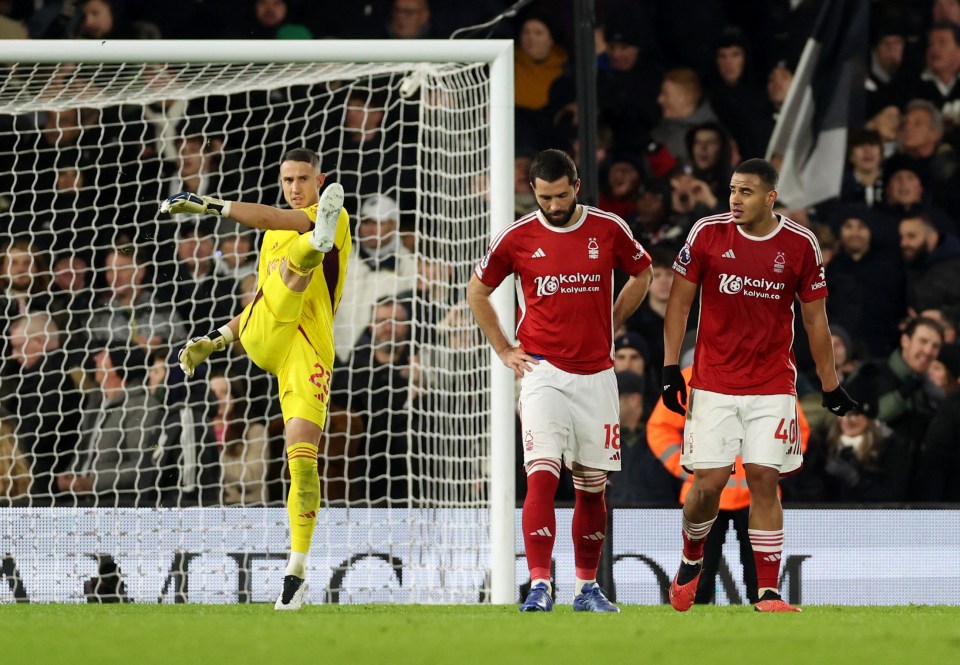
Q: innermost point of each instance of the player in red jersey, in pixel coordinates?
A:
(564, 255)
(750, 264)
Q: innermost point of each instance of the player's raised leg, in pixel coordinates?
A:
(303, 502)
(766, 536)
(307, 251)
(540, 531)
(589, 530)
(699, 513)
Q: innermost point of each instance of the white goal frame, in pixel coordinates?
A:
(499, 55)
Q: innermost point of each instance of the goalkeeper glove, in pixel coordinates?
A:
(838, 402)
(674, 389)
(196, 205)
(199, 349)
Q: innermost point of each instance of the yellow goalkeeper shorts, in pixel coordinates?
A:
(274, 339)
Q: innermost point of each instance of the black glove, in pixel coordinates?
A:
(838, 402)
(674, 389)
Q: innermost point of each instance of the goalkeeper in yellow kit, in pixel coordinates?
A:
(288, 328)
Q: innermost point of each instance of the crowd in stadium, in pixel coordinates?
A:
(682, 97)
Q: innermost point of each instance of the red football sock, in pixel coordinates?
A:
(767, 551)
(694, 538)
(540, 522)
(589, 530)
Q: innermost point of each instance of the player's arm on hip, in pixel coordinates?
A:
(679, 303)
(821, 344)
(630, 296)
(478, 297)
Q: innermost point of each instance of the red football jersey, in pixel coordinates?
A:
(747, 288)
(565, 284)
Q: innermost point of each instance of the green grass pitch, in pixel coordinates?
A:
(462, 635)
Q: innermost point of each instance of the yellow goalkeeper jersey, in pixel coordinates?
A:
(326, 285)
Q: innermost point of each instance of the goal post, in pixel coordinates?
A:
(448, 104)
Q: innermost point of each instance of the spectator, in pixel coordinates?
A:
(738, 101)
(886, 122)
(237, 256)
(242, 440)
(779, 81)
(631, 352)
(939, 459)
(947, 317)
(201, 295)
(382, 266)
(858, 272)
(130, 312)
(923, 150)
(945, 11)
(39, 391)
(366, 156)
(24, 282)
(410, 19)
(905, 397)
(932, 259)
(524, 200)
(538, 62)
(683, 107)
(14, 472)
(865, 462)
(938, 81)
(887, 79)
(711, 157)
(627, 90)
(271, 20)
(376, 388)
(691, 199)
(107, 19)
(619, 195)
(863, 175)
(115, 465)
(642, 480)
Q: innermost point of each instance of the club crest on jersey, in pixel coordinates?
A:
(779, 263)
(528, 441)
(593, 249)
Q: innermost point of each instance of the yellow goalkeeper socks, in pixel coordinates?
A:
(304, 499)
(302, 257)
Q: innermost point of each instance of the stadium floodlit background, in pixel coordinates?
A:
(90, 487)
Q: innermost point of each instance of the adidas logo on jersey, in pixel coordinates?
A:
(543, 531)
(539, 254)
(594, 536)
(729, 254)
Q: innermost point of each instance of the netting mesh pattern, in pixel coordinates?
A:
(98, 290)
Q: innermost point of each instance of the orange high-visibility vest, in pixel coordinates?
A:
(665, 434)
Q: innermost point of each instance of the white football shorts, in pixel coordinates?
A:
(763, 429)
(575, 417)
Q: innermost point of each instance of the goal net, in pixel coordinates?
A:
(114, 463)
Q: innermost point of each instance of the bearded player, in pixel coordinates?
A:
(564, 255)
(288, 328)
